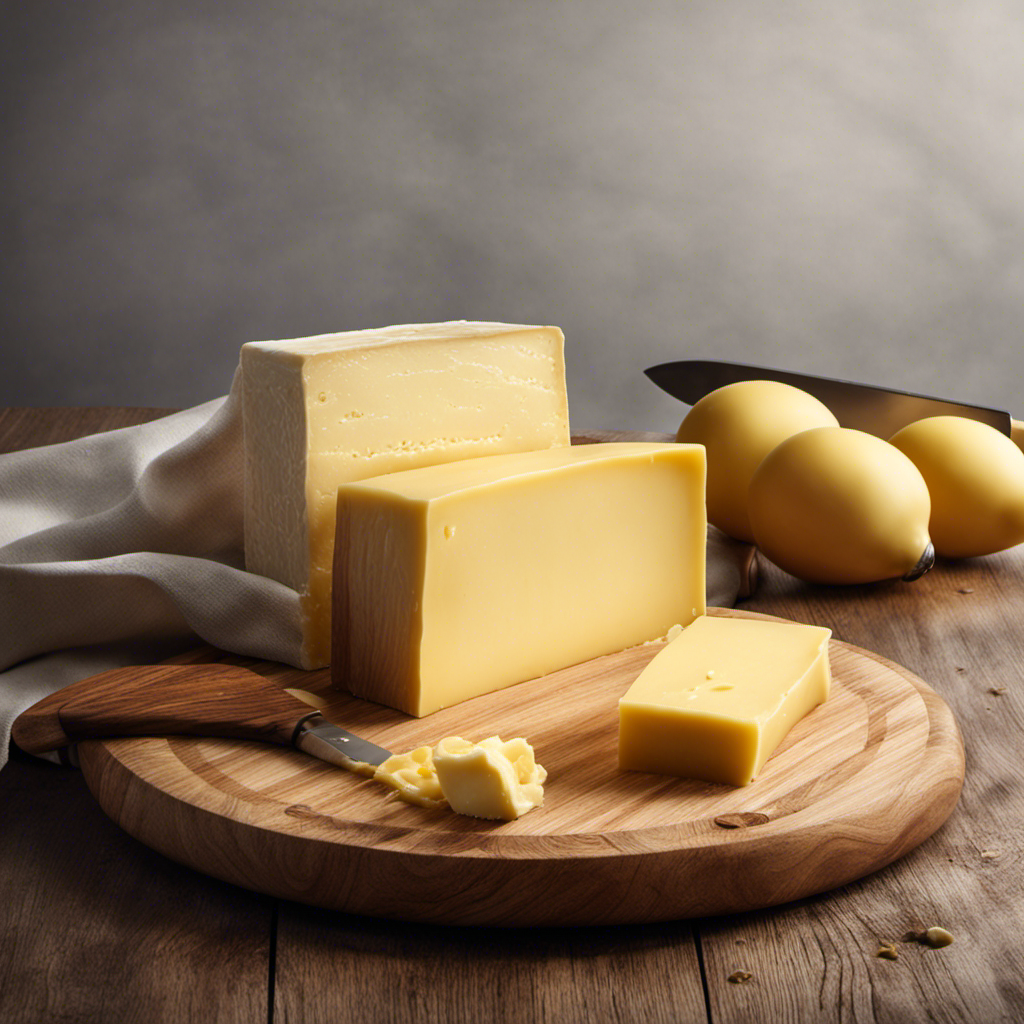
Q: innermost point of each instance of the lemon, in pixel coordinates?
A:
(739, 424)
(975, 476)
(835, 505)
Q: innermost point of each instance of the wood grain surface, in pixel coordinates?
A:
(860, 781)
(95, 926)
(817, 959)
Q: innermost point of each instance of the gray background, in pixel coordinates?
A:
(836, 187)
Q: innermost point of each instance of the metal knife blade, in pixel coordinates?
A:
(875, 410)
(328, 742)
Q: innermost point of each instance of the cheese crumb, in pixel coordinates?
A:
(412, 777)
(490, 779)
(673, 632)
(937, 937)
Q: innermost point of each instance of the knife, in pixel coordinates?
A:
(875, 410)
(192, 700)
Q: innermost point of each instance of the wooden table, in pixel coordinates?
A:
(96, 927)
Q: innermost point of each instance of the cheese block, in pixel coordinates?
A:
(322, 411)
(718, 700)
(456, 580)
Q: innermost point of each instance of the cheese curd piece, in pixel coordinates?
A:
(456, 580)
(717, 701)
(322, 411)
(489, 779)
(413, 778)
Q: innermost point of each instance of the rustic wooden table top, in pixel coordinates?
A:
(96, 927)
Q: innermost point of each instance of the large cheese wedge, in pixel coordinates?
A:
(456, 580)
(716, 701)
(321, 411)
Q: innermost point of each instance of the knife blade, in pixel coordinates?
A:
(875, 410)
(226, 701)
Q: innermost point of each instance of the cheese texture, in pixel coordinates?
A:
(322, 411)
(490, 779)
(456, 580)
(718, 700)
(412, 777)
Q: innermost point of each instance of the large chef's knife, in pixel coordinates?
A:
(875, 410)
(192, 700)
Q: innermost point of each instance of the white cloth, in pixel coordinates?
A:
(114, 546)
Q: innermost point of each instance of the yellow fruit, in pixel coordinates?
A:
(834, 505)
(975, 476)
(739, 424)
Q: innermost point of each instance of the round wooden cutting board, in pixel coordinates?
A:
(862, 780)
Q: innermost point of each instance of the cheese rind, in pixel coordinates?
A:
(322, 411)
(456, 580)
(716, 702)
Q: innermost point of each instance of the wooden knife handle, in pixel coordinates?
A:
(161, 700)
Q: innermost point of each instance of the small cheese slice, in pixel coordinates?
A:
(716, 702)
(456, 580)
(321, 411)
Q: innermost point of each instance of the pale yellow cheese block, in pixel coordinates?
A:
(718, 700)
(456, 580)
(322, 411)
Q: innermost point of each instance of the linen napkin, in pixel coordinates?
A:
(122, 547)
